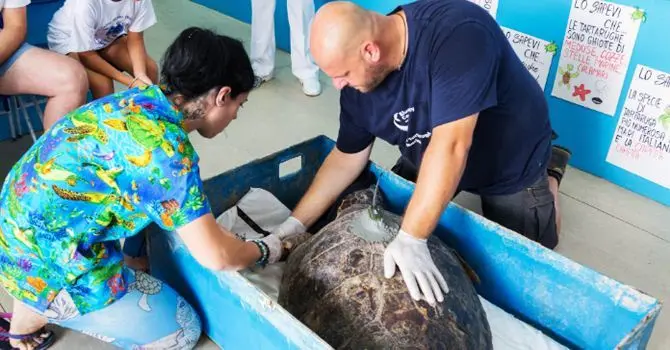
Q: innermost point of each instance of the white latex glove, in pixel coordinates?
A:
(274, 245)
(415, 264)
(289, 227)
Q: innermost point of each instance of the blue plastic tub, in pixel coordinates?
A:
(575, 305)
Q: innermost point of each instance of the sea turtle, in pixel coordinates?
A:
(85, 125)
(49, 170)
(93, 197)
(334, 284)
(552, 47)
(567, 74)
(108, 176)
(146, 132)
(147, 285)
(639, 14)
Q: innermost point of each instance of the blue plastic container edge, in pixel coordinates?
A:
(640, 335)
(615, 294)
(536, 251)
(249, 297)
(641, 331)
(254, 298)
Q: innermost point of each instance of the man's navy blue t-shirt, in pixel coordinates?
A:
(458, 63)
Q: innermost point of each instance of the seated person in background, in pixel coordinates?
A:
(106, 36)
(128, 162)
(25, 69)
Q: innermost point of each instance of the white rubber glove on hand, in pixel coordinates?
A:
(275, 246)
(416, 265)
(289, 227)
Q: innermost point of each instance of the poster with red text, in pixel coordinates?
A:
(641, 141)
(596, 52)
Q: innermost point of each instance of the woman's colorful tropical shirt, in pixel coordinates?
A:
(101, 173)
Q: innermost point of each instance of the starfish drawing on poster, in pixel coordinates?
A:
(596, 53)
(641, 141)
(535, 53)
(489, 5)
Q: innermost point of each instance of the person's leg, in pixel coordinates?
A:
(150, 315)
(135, 252)
(99, 84)
(25, 328)
(556, 169)
(263, 39)
(152, 70)
(405, 169)
(530, 212)
(117, 54)
(45, 73)
(300, 14)
(409, 172)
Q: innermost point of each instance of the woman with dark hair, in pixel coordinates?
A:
(104, 172)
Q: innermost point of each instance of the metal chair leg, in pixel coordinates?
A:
(26, 117)
(15, 114)
(40, 114)
(10, 117)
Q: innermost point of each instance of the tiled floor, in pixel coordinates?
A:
(605, 227)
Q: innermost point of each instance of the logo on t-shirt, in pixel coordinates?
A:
(417, 139)
(106, 34)
(401, 119)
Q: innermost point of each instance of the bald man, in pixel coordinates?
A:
(439, 79)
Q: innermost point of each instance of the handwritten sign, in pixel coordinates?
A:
(596, 53)
(489, 5)
(536, 54)
(641, 142)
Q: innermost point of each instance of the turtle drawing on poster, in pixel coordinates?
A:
(596, 52)
(641, 141)
(489, 5)
(535, 54)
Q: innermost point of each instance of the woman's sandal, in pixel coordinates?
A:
(5, 335)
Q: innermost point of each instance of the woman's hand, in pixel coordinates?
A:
(144, 79)
(216, 248)
(141, 80)
(138, 58)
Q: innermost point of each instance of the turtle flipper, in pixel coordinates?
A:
(468, 270)
(167, 148)
(3, 240)
(116, 124)
(80, 130)
(91, 197)
(141, 160)
(101, 136)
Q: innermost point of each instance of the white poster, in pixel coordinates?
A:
(489, 5)
(596, 53)
(536, 54)
(641, 142)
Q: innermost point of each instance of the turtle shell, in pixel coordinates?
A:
(334, 284)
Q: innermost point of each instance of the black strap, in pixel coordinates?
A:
(254, 226)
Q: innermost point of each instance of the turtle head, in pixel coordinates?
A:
(291, 243)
